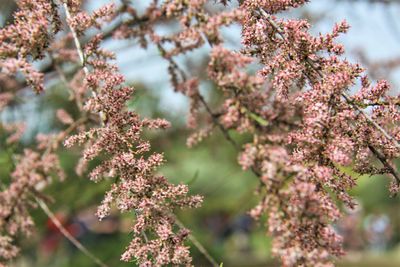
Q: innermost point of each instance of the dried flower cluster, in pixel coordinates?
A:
(305, 125)
(119, 143)
(27, 39)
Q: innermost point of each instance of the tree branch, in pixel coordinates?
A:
(65, 232)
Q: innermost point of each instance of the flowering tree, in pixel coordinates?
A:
(306, 125)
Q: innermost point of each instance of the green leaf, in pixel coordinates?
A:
(258, 119)
(194, 178)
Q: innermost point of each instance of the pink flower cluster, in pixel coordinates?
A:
(28, 37)
(32, 172)
(126, 159)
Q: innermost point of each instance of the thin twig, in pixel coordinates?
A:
(76, 40)
(385, 163)
(65, 232)
(197, 244)
(213, 116)
(81, 54)
(216, 122)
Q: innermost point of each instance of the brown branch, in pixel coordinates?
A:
(385, 163)
(197, 244)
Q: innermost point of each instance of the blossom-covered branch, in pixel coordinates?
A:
(310, 113)
(137, 188)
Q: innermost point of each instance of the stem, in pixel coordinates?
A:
(198, 245)
(76, 40)
(65, 232)
(79, 49)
